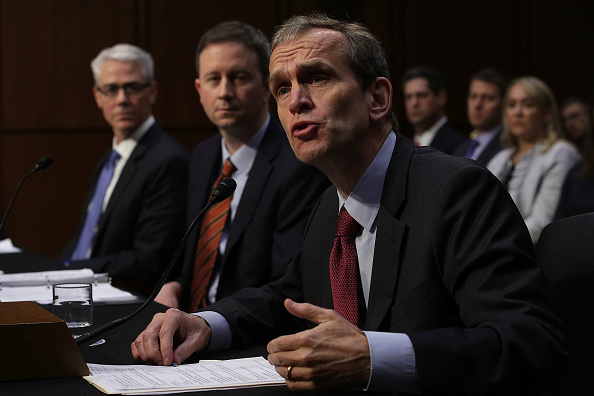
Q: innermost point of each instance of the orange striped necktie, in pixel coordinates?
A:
(208, 244)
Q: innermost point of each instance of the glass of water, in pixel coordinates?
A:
(73, 303)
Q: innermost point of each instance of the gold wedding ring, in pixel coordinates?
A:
(289, 373)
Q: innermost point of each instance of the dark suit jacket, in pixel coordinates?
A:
(267, 230)
(453, 268)
(577, 195)
(566, 253)
(144, 219)
(447, 139)
(489, 152)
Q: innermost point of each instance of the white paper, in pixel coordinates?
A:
(6, 246)
(50, 277)
(102, 293)
(146, 379)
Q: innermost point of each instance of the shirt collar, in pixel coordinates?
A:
(427, 136)
(487, 136)
(364, 201)
(128, 145)
(244, 157)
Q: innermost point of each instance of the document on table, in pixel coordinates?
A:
(146, 379)
(102, 293)
(51, 277)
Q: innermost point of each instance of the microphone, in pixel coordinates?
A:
(41, 165)
(222, 191)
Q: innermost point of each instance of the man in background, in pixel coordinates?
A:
(484, 105)
(135, 211)
(576, 114)
(425, 98)
(260, 233)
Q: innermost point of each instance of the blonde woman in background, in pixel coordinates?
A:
(536, 161)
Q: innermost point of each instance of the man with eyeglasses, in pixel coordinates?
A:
(135, 211)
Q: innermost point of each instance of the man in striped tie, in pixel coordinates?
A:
(250, 238)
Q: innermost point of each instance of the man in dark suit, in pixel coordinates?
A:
(450, 298)
(135, 212)
(275, 191)
(484, 105)
(425, 98)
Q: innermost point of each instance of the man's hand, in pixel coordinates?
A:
(169, 294)
(155, 344)
(333, 355)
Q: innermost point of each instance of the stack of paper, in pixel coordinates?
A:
(36, 286)
(146, 380)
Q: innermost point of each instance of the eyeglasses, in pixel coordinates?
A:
(130, 89)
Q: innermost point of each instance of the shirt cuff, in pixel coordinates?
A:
(393, 364)
(220, 337)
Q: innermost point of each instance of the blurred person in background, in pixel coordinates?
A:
(577, 196)
(484, 106)
(577, 120)
(425, 98)
(536, 160)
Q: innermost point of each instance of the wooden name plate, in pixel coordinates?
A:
(35, 344)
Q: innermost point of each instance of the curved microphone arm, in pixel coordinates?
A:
(41, 165)
(222, 191)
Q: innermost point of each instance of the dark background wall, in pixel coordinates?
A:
(46, 105)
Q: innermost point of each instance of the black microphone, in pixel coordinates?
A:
(222, 191)
(41, 165)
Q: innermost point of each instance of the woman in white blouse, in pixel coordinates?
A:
(536, 161)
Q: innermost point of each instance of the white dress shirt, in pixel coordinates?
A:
(242, 159)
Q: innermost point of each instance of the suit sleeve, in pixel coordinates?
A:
(510, 341)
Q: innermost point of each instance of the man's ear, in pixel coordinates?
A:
(381, 99)
(197, 85)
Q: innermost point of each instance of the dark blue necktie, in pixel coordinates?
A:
(471, 148)
(88, 232)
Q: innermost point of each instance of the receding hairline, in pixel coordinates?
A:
(341, 37)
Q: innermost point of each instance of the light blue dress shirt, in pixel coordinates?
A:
(393, 365)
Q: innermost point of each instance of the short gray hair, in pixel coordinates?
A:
(124, 53)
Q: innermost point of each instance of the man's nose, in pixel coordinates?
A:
(299, 99)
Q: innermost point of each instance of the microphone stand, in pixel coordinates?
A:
(223, 190)
(41, 165)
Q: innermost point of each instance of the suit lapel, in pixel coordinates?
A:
(390, 235)
(204, 169)
(128, 173)
(256, 183)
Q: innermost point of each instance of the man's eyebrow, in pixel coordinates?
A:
(308, 66)
(273, 78)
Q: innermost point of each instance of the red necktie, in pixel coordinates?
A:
(343, 268)
(208, 244)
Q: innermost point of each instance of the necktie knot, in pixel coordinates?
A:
(347, 226)
(471, 148)
(113, 158)
(228, 168)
